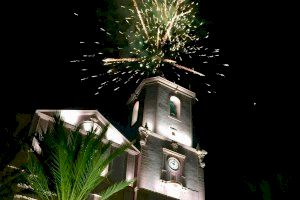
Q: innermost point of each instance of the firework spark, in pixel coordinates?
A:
(161, 33)
(162, 28)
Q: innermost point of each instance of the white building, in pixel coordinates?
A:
(165, 164)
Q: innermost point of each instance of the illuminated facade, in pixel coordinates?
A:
(164, 164)
(168, 166)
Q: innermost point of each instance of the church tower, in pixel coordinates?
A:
(168, 166)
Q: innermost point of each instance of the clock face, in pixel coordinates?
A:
(173, 163)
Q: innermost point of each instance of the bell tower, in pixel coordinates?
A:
(164, 108)
(168, 166)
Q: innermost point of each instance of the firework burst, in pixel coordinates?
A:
(161, 37)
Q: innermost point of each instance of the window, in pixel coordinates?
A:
(174, 107)
(91, 126)
(135, 113)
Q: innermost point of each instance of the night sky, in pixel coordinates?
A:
(246, 127)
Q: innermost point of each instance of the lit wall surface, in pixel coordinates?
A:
(151, 166)
(157, 113)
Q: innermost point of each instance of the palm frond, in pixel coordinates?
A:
(114, 189)
(73, 162)
(36, 177)
(116, 153)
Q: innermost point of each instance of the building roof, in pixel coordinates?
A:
(76, 117)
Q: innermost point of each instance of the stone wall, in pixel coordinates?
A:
(151, 165)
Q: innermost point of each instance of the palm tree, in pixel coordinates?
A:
(15, 137)
(70, 164)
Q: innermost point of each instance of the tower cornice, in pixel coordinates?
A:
(164, 82)
(145, 132)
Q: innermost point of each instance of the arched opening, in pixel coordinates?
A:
(174, 107)
(135, 113)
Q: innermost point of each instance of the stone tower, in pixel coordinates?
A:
(168, 166)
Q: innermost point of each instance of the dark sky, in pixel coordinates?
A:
(242, 139)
